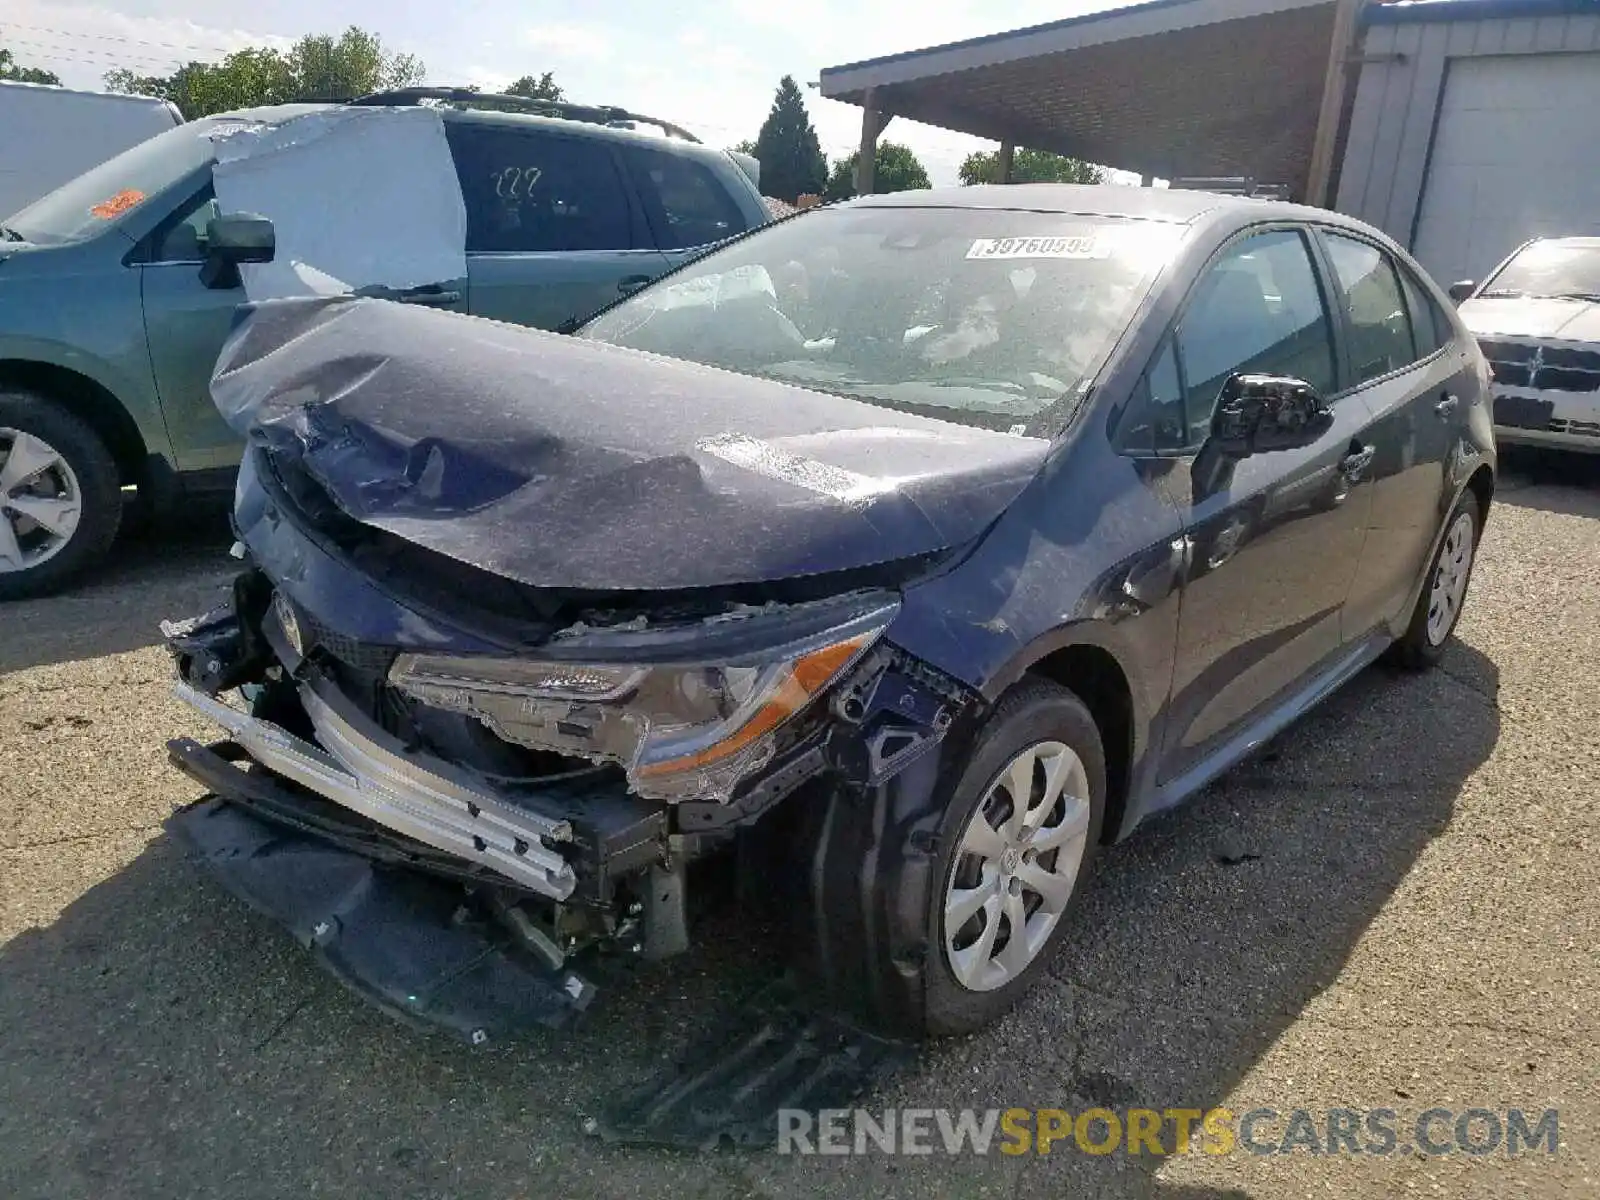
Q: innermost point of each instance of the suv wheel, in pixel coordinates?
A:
(60, 496)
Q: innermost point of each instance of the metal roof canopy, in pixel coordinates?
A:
(1170, 88)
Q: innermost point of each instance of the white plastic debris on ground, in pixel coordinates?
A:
(358, 197)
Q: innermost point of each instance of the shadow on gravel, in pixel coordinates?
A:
(165, 570)
(158, 1040)
(1549, 480)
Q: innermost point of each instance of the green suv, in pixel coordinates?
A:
(114, 306)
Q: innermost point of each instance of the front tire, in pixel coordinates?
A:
(1017, 843)
(1444, 591)
(60, 496)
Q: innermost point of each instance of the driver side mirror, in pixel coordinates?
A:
(1462, 289)
(233, 239)
(1257, 414)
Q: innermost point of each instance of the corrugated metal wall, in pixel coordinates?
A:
(1398, 96)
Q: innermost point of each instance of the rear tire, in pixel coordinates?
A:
(60, 496)
(1444, 591)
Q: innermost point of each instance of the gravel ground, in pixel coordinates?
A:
(1409, 917)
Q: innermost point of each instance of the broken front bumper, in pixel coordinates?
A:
(359, 767)
(400, 939)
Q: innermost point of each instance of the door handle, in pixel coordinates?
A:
(632, 283)
(430, 298)
(1357, 461)
(1447, 405)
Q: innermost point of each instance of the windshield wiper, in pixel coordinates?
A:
(1591, 296)
(1501, 294)
(11, 235)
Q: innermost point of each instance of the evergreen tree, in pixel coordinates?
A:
(787, 147)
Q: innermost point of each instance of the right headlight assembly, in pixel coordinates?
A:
(685, 725)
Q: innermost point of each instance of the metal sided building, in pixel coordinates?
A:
(1460, 127)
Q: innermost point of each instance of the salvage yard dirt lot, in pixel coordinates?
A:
(1396, 905)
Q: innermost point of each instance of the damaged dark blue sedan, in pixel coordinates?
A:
(938, 539)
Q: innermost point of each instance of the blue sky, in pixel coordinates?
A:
(710, 65)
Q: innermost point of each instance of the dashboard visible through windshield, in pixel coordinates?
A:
(984, 317)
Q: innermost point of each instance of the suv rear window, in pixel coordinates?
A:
(684, 200)
(529, 190)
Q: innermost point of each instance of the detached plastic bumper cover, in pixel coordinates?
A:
(359, 767)
(396, 938)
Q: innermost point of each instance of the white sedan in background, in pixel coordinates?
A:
(1537, 320)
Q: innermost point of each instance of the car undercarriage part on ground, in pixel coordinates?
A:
(776, 1052)
(400, 939)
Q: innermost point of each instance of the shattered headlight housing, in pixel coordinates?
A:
(689, 711)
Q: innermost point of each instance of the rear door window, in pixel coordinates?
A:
(529, 190)
(1381, 336)
(686, 203)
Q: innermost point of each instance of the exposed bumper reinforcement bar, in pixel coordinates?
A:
(357, 767)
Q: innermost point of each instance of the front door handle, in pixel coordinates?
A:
(1446, 406)
(632, 283)
(429, 297)
(1357, 461)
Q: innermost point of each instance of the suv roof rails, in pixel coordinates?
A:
(602, 114)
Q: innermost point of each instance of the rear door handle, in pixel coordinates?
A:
(1357, 461)
(632, 283)
(1447, 405)
(429, 297)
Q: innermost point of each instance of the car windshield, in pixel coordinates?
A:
(1551, 269)
(984, 317)
(82, 207)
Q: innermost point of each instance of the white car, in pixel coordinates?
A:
(1537, 320)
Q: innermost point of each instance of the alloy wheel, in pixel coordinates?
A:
(41, 502)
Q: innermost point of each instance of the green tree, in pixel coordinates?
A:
(537, 87)
(896, 169)
(353, 64)
(10, 70)
(787, 148)
(317, 67)
(1029, 166)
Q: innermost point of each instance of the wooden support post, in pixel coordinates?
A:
(1008, 153)
(873, 123)
(1335, 83)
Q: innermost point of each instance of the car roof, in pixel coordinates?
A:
(1577, 243)
(277, 114)
(1179, 205)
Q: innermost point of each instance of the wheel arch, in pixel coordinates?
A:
(92, 403)
(1481, 485)
(1087, 660)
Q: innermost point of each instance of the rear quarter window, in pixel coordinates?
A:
(685, 201)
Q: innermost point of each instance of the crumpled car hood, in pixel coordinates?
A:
(1533, 316)
(562, 462)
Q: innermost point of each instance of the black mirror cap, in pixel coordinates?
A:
(1462, 289)
(232, 239)
(1260, 413)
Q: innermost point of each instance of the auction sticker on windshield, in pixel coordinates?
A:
(1079, 246)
